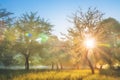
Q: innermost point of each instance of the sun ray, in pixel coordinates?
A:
(102, 52)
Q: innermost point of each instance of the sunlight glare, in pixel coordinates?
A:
(90, 43)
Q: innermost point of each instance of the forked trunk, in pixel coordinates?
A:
(91, 66)
(89, 63)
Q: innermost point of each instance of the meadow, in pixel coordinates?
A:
(84, 74)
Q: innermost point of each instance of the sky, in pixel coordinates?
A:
(57, 12)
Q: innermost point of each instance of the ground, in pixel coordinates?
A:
(54, 75)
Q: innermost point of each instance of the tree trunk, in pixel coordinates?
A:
(61, 66)
(52, 65)
(91, 66)
(89, 63)
(101, 67)
(57, 66)
(26, 62)
(78, 67)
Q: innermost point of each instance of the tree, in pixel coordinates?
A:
(86, 25)
(4, 15)
(56, 54)
(5, 44)
(113, 27)
(51, 56)
(5, 18)
(62, 58)
(31, 33)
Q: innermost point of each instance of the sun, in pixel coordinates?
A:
(89, 43)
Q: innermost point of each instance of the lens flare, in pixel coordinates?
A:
(105, 45)
(42, 38)
(28, 34)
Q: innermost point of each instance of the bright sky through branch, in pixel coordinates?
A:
(57, 12)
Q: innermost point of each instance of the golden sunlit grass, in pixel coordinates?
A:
(56, 75)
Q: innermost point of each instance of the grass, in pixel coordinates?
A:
(53, 75)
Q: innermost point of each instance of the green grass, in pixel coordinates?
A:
(53, 75)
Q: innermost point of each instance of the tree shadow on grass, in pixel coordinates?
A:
(7, 74)
(110, 72)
